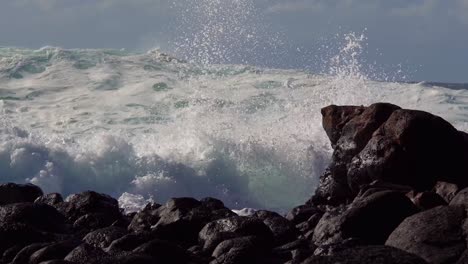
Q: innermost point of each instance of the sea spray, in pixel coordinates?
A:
(247, 135)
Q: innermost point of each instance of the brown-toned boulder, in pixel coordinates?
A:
(411, 148)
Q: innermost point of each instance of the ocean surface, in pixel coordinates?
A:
(143, 126)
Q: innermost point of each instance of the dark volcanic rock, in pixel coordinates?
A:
(217, 231)
(86, 254)
(302, 213)
(181, 219)
(282, 229)
(40, 216)
(129, 242)
(136, 259)
(461, 199)
(54, 251)
(435, 235)
(93, 221)
(336, 117)
(411, 148)
(102, 238)
(22, 257)
(367, 255)
(358, 131)
(50, 199)
(163, 251)
(89, 202)
(426, 200)
(370, 219)
(143, 220)
(446, 190)
(18, 193)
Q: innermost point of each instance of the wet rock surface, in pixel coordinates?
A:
(395, 192)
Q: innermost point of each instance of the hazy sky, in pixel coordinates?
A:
(428, 38)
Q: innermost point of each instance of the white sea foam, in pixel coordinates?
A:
(142, 126)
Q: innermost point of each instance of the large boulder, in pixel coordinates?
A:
(461, 199)
(51, 199)
(367, 255)
(370, 219)
(217, 231)
(282, 229)
(436, 235)
(349, 129)
(40, 216)
(102, 238)
(411, 148)
(359, 130)
(12, 234)
(18, 193)
(54, 251)
(336, 117)
(164, 252)
(78, 205)
(181, 219)
(86, 254)
(145, 219)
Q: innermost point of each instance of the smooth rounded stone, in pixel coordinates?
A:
(89, 202)
(248, 243)
(10, 253)
(461, 199)
(237, 256)
(435, 235)
(145, 219)
(292, 251)
(334, 118)
(217, 231)
(50, 199)
(86, 254)
(446, 190)
(378, 186)
(181, 219)
(128, 242)
(302, 213)
(18, 193)
(282, 229)
(367, 255)
(93, 221)
(54, 251)
(370, 219)
(426, 200)
(102, 238)
(22, 257)
(163, 251)
(41, 216)
(411, 148)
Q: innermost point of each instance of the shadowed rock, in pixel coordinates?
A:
(18, 193)
(435, 235)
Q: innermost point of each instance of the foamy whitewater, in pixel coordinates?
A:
(150, 126)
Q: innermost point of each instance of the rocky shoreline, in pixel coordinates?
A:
(395, 192)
